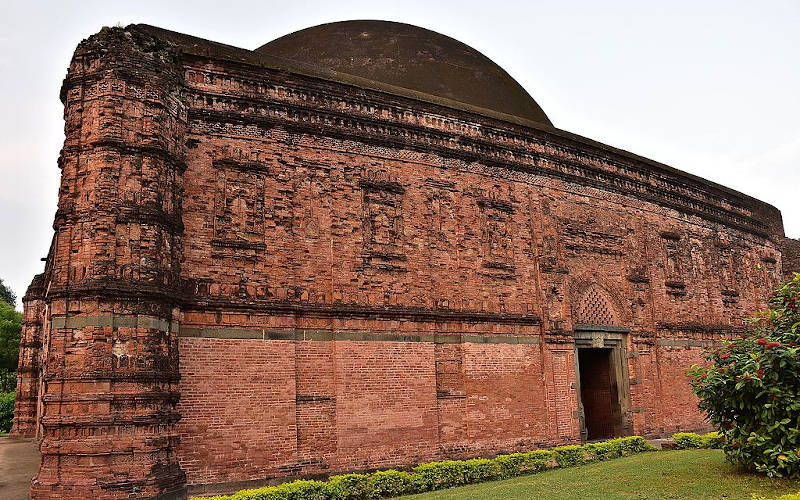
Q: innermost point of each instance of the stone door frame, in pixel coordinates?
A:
(614, 338)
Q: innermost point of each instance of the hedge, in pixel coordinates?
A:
(691, 440)
(445, 474)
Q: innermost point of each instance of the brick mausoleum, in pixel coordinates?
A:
(362, 245)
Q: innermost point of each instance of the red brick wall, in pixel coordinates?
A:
(238, 403)
(791, 257)
(678, 405)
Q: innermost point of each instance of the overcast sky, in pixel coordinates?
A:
(712, 88)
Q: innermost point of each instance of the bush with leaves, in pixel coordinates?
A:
(750, 389)
(10, 331)
(6, 411)
(7, 295)
(692, 440)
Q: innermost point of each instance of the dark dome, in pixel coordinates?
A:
(410, 57)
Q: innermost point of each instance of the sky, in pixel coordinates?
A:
(709, 87)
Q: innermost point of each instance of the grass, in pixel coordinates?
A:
(690, 474)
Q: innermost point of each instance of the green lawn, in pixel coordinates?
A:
(690, 474)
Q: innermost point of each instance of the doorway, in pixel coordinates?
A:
(599, 393)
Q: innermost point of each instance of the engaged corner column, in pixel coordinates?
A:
(110, 370)
(30, 349)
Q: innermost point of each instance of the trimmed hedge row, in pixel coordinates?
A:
(446, 474)
(692, 440)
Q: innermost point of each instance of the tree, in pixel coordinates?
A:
(10, 331)
(750, 389)
(6, 294)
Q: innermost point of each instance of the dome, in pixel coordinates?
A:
(410, 57)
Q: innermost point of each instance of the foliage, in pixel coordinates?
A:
(790, 496)
(568, 456)
(8, 381)
(391, 483)
(445, 474)
(6, 410)
(6, 294)
(518, 464)
(616, 448)
(10, 331)
(348, 487)
(750, 389)
(691, 440)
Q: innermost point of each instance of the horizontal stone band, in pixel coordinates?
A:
(113, 321)
(686, 343)
(329, 336)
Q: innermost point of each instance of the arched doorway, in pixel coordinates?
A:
(603, 391)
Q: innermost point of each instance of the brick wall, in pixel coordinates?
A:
(791, 257)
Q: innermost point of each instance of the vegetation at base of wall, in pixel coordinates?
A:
(446, 474)
(692, 440)
(790, 496)
(750, 389)
(6, 411)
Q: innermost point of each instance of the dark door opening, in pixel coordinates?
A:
(599, 394)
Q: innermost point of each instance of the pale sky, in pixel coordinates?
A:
(709, 87)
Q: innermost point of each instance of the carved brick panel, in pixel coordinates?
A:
(239, 205)
(498, 228)
(382, 222)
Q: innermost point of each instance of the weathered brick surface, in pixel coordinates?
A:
(258, 274)
(238, 403)
(30, 352)
(791, 256)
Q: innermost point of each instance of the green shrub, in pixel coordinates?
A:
(750, 389)
(569, 456)
(479, 470)
(619, 447)
(690, 440)
(296, 490)
(790, 496)
(687, 440)
(7, 410)
(391, 483)
(437, 475)
(603, 451)
(636, 444)
(712, 440)
(348, 487)
(518, 464)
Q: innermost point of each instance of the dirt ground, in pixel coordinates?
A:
(19, 459)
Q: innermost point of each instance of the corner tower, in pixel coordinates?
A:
(110, 362)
